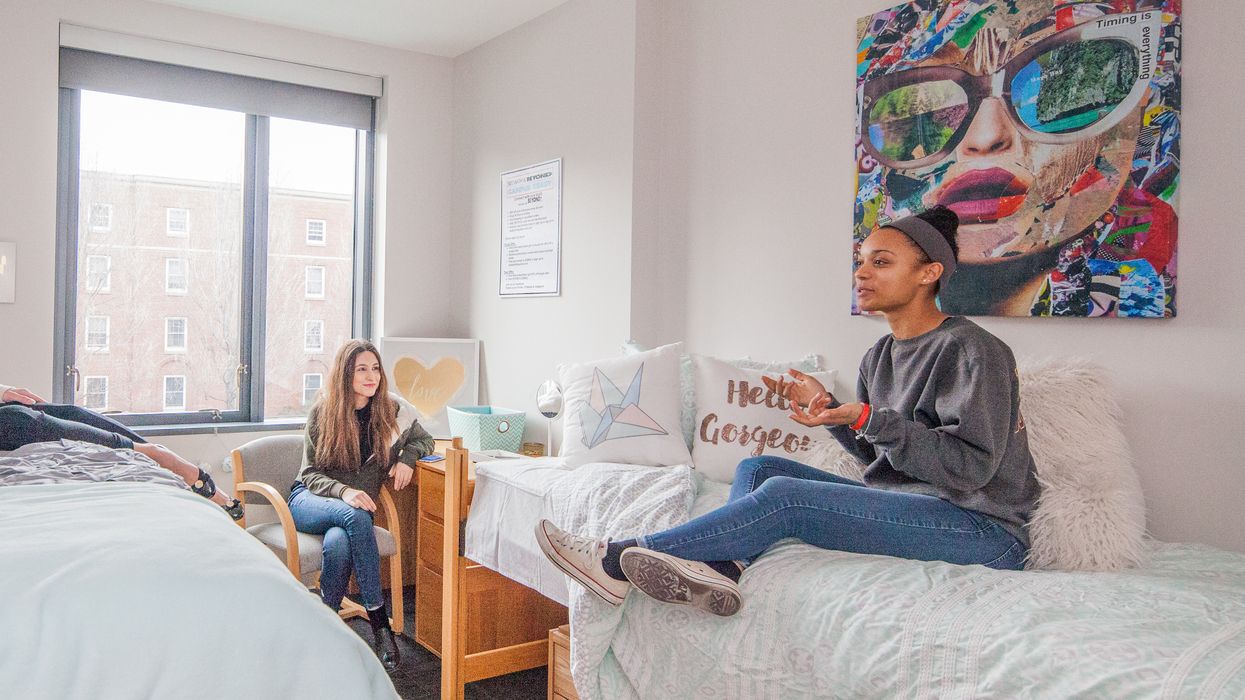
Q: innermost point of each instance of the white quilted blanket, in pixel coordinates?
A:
(615, 501)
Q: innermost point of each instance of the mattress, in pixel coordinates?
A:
(509, 500)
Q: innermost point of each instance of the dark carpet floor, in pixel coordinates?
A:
(419, 675)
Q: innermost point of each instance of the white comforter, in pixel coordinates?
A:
(140, 590)
(820, 624)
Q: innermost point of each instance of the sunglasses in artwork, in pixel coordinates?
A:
(1070, 86)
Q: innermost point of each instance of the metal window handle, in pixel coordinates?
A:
(71, 371)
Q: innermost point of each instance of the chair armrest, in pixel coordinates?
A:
(390, 509)
(284, 515)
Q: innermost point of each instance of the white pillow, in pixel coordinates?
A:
(687, 383)
(727, 432)
(624, 409)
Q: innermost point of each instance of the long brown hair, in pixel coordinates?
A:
(338, 443)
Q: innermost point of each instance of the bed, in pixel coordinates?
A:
(829, 624)
(119, 582)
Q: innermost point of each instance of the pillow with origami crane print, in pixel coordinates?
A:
(625, 410)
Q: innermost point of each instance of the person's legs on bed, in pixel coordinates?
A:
(86, 416)
(22, 425)
(753, 471)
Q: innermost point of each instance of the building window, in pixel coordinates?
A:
(97, 332)
(313, 336)
(98, 273)
(316, 232)
(101, 218)
(176, 276)
(311, 387)
(95, 392)
(174, 392)
(175, 335)
(177, 222)
(313, 282)
(254, 228)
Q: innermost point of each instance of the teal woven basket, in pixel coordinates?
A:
(487, 427)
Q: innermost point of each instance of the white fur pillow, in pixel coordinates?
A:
(1091, 515)
(1091, 512)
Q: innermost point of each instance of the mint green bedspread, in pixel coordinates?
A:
(827, 624)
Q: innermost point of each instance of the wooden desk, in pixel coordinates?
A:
(495, 625)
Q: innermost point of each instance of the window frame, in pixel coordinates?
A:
(309, 349)
(324, 232)
(164, 393)
(106, 287)
(86, 390)
(319, 386)
(307, 293)
(90, 218)
(185, 346)
(86, 333)
(249, 414)
(170, 291)
(168, 223)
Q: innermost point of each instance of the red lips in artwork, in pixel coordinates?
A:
(984, 195)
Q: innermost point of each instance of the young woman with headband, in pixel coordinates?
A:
(937, 419)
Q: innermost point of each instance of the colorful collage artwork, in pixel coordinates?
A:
(1051, 127)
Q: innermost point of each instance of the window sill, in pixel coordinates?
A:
(268, 426)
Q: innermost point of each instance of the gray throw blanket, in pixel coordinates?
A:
(71, 461)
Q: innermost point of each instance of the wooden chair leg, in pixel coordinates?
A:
(398, 607)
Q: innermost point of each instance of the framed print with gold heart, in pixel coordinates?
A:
(433, 373)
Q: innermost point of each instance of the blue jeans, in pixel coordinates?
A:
(774, 498)
(349, 542)
(47, 422)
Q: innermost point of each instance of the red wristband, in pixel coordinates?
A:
(864, 418)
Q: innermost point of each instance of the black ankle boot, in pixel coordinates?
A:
(386, 644)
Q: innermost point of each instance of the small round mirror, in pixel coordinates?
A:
(549, 399)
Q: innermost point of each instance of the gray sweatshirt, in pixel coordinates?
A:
(946, 422)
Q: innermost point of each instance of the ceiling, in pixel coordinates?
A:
(438, 27)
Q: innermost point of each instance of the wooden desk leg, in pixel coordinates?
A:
(453, 584)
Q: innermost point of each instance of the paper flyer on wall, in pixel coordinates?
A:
(531, 231)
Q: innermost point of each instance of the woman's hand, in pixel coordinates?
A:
(799, 389)
(402, 475)
(820, 413)
(358, 499)
(24, 396)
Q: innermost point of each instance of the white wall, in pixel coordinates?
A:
(741, 188)
(560, 86)
(413, 149)
(758, 129)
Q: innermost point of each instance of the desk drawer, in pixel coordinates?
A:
(431, 540)
(432, 494)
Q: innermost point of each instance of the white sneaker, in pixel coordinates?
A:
(580, 558)
(680, 581)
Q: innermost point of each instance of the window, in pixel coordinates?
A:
(313, 282)
(174, 392)
(176, 277)
(258, 171)
(98, 273)
(175, 335)
(97, 332)
(315, 232)
(177, 222)
(311, 387)
(313, 336)
(101, 218)
(95, 392)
